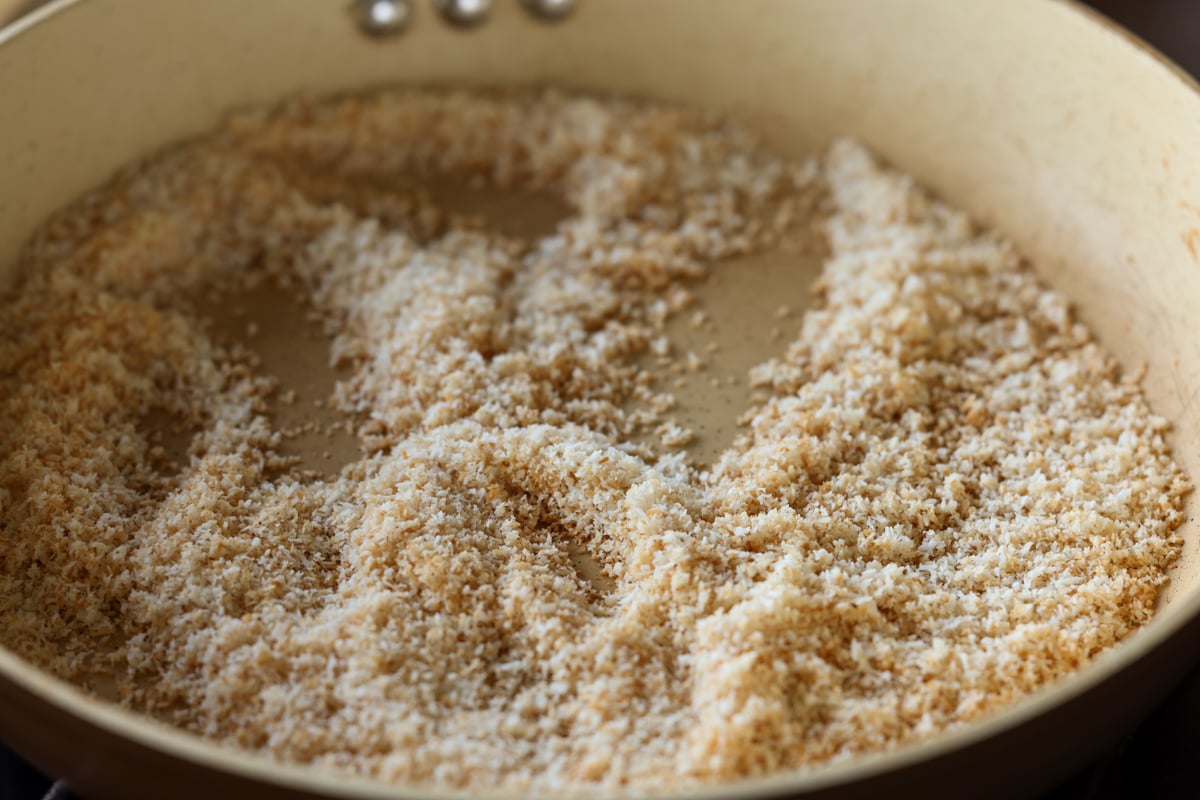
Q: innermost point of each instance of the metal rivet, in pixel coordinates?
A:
(464, 13)
(382, 17)
(549, 10)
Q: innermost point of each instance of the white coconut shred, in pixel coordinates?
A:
(949, 497)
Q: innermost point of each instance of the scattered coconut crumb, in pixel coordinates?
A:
(661, 403)
(945, 497)
(679, 298)
(673, 435)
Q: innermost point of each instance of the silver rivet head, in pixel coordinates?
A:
(464, 13)
(382, 17)
(549, 10)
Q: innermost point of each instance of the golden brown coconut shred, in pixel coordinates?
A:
(950, 497)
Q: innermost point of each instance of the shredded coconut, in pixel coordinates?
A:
(946, 497)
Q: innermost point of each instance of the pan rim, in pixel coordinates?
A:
(177, 743)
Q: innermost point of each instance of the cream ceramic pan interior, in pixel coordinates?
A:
(1075, 141)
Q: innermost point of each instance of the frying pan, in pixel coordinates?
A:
(1035, 116)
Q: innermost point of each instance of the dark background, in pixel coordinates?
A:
(1158, 758)
(1173, 26)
